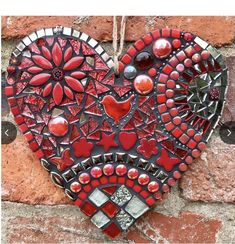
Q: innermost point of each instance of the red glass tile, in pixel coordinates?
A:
(150, 201)
(82, 195)
(113, 179)
(137, 188)
(88, 208)
(78, 202)
(19, 119)
(109, 189)
(184, 138)
(112, 230)
(144, 194)
(167, 69)
(33, 145)
(139, 44)
(87, 188)
(126, 59)
(95, 183)
(165, 117)
(161, 98)
(121, 180)
(156, 34)
(166, 32)
(39, 153)
(9, 90)
(23, 128)
(191, 144)
(190, 51)
(103, 180)
(163, 78)
(131, 51)
(147, 39)
(175, 33)
(129, 183)
(29, 136)
(180, 152)
(110, 209)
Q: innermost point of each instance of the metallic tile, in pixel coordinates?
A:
(92, 42)
(124, 219)
(40, 33)
(67, 31)
(27, 41)
(98, 197)
(33, 36)
(121, 196)
(84, 37)
(105, 56)
(99, 49)
(76, 33)
(110, 63)
(16, 53)
(100, 219)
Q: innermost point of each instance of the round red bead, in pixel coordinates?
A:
(169, 93)
(108, 169)
(165, 188)
(189, 159)
(75, 187)
(196, 153)
(197, 137)
(158, 195)
(174, 75)
(177, 175)
(205, 54)
(191, 132)
(143, 179)
(170, 84)
(58, 126)
(143, 84)
(174, 112)
(153, 186)
(171, 182)
(196, 58)
(162, 48)
(188, 62)
(96, 172)
(176, 43)
(188, 36)
(183, 167)
(180, 67)
(152, 72)
(177, 120)
(133, 173)
(84, 178)
(202, 146)
(121, 169)
(144, 60)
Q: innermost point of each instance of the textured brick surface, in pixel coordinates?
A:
(24, 179)
(217, 30)
(211, 178)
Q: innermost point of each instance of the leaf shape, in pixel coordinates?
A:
(68, 54)
(39, 79)
(35, 70)
(47, 90)
(73, 63)
(57, 54)
(46, 53)
(57, 93)
(74, 84)
(42, 62)
(68, 93)
(78, 75)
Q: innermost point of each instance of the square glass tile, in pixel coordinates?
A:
(98, 197)
(121, 196)
(136, 207)
(124, 219)
(100, 219)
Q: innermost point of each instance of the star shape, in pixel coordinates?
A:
(82, 148)
(107, 141)
(64, 161)
(166, 161)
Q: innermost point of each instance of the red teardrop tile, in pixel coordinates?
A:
(57, 93)
(39, 79)
(57, 54)
(42, 62)
(74, 84)
(73, 63)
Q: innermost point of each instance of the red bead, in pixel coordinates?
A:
(202, 146)
(96, 172)
(170, 84)
(75, 187)
(153, 186)
(196, 153)
(143, 179)
(121, 169)
(183, 167)
(162, 48)
(84, 178)
(196, 58)
(189, 159)
(176, 43)
(174, 75)
(180, 67)
(188, 36)
(174, 112)
(158, 195)
(143, 84)
(205, 54)
(177, 175)
(177, 120)
(197, 137)
(190, 132)
(188, 62)
(170, 103)
(171, 182)
(152, 72)
(165, 188)
(169, 93)
(58, 126)
(108, 169)
(133, 173)
(144, 60)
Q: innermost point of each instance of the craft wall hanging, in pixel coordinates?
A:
(116, 142)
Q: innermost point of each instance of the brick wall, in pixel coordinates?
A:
(200, 209)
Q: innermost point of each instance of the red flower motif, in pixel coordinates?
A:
(147, 148)
(55, 67)
(82, 148)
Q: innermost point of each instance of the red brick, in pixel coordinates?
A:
(218, 30)
(211, 177)
(23, 178)
(186, 228)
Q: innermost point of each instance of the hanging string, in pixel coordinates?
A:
(116, 52)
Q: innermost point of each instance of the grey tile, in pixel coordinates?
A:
(124, 219)
(98, 197)
(121, 196)
(100, 219)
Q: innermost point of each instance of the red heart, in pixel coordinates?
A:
(127, 139)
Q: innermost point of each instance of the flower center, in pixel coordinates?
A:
(57, 74)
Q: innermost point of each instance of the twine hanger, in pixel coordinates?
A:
(116, 52)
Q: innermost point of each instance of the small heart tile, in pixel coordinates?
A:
(116, 144)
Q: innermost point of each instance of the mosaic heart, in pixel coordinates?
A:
(116, 143)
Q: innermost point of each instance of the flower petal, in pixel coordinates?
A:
(47, 90)
(68, 54)
(35, 70)
(46, 53)
(42, 62)
(74, 84)
(39, 79)
(68, 93)
(57, 93)
(73, 63)
(57, 54)
(78, 75)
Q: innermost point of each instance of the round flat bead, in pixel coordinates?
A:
(96, 172)
(188, 62)
(84, 178)
(197, 137)
(170, 103)
(202, 146)
(205, 54)
(75, 187)
(108, 169)
(171, 182)
(130, 72)
(188, 36)
(174, 112)
(162, 48)
(153, 186)
(158, 195)
(189, 159)
(174, 75)
(177, 175)
(144, 60)
(176, 43)
(132, 173)
(170, 84)
(152, 72)
(169, 93)
(58, 126)
(190, 132)
(196, 58)
(165, 188)
(183, 167)
(121, 169)
(143, 179)
(180, 67)
(143, 84)
(177, 120)
(196, 153)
